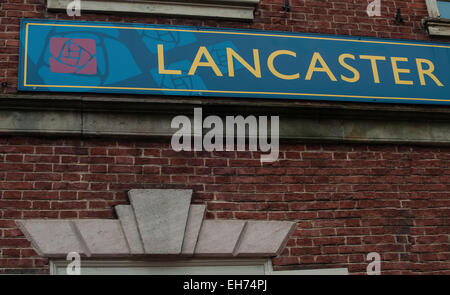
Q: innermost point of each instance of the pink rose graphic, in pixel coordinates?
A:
(73, 56)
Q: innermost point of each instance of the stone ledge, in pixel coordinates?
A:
(313, 127)
(437, 26)
(222, 9)
(310, 121)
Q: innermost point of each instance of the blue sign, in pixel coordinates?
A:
(74, 56)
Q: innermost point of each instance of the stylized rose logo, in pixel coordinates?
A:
(73, 56)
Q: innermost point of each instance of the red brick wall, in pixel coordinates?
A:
(348, 200)
(344, 17)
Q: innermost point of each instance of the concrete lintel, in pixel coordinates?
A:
(103, 237)
(264, 238)
(219, 238)
(52, 238)
(98, 238)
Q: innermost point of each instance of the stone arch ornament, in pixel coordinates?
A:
(157, 222)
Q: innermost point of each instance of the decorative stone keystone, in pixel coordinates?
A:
(161, 217)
